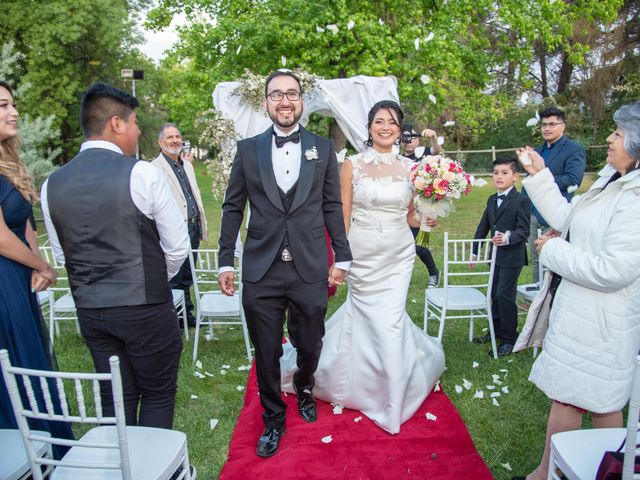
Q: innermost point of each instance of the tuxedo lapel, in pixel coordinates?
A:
(265, 165)
(307, 167)
(505, 202)
(492, 208)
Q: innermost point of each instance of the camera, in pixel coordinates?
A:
(186, 146)
(407, 133)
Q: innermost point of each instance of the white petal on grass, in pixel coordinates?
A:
(431, 416)
(479, 394)
(416, 43)
(506, 466)
(226, 366)
(429, 37)
(223, 372)
(505, 389)
(532, 122)
(380, 21)
(419, 152)
(413, 300)
(357, 419)
(458, 389)
(333, 28)
(207, 337)
(450, 123)
(213, 423)
(326, 439)
(490, 387)
(503, 370)
(238, 50)
(494, 394)
(440, 140)
(240, 388)
(337, 409)
(208, 374)
(475, 365)
(198, 364)
(425, 79)
(283, 61)
(572, 188)
(351, 24)
(466, 383)
(194, 397)
(510, 360)
(198, 374)
(432, 98)
(495, 402)
(437, 387)
(242, 368)
(319, 29)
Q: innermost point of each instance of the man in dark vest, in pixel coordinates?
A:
(114, 223)
(290, 178)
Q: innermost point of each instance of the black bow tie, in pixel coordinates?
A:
(502, 196)
(294, 137)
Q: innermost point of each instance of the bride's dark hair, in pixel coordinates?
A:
(389, 105)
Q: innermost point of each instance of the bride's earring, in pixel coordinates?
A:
(369, 142)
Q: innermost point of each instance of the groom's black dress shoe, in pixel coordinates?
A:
(308, 408)
(268, 441)
(484, 339)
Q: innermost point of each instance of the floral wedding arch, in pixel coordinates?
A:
(238, 112)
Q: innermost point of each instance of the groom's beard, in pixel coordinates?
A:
(284, 121)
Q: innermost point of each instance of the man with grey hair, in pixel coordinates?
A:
(175, 163)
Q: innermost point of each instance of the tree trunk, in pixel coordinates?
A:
(566, 70)
(337, 136)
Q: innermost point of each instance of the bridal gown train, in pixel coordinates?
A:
(374, 358)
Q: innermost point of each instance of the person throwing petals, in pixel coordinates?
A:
(587, 361)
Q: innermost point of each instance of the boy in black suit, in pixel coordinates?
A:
(507, 217)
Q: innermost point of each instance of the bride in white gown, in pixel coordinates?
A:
(374, 358)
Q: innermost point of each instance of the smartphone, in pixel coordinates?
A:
(407, 134)
(186, 146)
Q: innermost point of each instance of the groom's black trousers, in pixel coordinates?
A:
(265, 303)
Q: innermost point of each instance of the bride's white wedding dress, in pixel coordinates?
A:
(374, 358)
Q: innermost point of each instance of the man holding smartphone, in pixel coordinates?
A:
(175, 162)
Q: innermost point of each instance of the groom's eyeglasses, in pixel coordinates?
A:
(277, 96)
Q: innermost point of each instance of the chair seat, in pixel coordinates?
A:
(529, 291)
(217, 304)
(579, 452)
(464, 298)
(65, 303)
(13, 458)
(151, 453)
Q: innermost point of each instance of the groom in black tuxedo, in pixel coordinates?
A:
(290, 177)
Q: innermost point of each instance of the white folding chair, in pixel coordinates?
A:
(577, 453)
(181, 309)
(60, 301)
(110, 450)
(464, 289)
(14, 464)
(212, 306)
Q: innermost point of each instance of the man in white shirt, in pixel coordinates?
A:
(114, 223)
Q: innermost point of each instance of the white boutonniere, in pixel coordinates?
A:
(311, 154)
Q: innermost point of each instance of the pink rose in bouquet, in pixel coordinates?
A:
(437, 181)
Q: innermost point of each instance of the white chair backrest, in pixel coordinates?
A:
(205, 269)
(459, 254)
(47, 254)
(79, 402)
(633, 416)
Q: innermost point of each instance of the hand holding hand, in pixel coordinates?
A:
(48, 273)
(39, 282)
(225, 280)
(530, 160)
(336, 276)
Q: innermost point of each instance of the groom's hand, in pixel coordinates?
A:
(336, 276)
(225, 280)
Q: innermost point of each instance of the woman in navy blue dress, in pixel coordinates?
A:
(22, 271)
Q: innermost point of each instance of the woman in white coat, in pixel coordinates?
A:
(587, 360)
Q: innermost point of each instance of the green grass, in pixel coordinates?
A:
(512, 433)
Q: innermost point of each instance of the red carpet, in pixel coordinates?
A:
(440, 449)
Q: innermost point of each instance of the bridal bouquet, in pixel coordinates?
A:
(437, 181)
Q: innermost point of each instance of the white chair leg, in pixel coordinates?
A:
(185, 325)
(493, 338)
(195, 338)
(245, 332)
(77, 325)
(443, 315)
(471, 328)
(52, 322)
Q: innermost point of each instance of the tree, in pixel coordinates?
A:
(449, 52)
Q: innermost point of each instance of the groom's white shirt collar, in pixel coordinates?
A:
(280, 133)
(100, 144)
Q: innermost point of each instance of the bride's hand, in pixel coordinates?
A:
(336, 276)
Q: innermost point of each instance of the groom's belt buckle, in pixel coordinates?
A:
(286, 256)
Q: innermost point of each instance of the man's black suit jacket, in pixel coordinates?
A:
(316, 205)
(514, 215)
